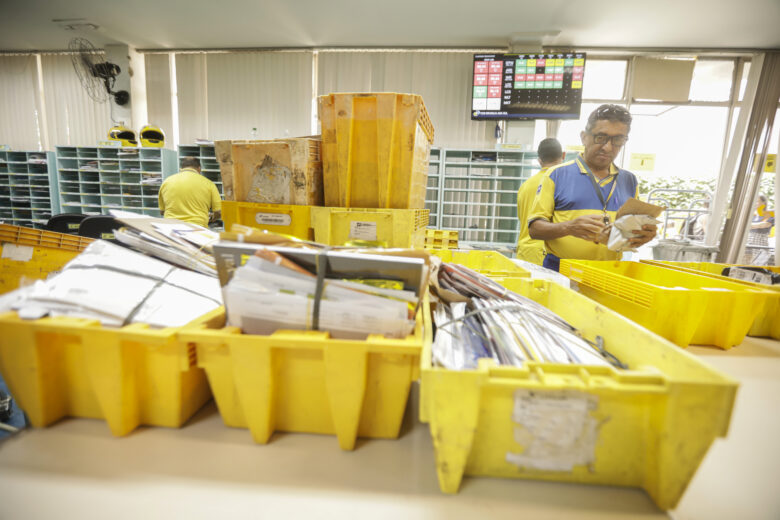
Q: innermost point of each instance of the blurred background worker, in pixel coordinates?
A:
(757, 250)
(763, 220)
(550, 153)
(189, 196)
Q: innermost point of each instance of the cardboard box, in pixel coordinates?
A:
(283, 171)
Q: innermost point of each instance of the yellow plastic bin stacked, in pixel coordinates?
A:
(404, 228)
(683, 307)
(649, 426)
(287, 219)
(441, 239)
(767, 322)
(34, 254)
(306, 381)
(59, 367)
(69, 367)
(490, 263)
(375, 149)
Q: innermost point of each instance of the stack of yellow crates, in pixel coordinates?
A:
(373, 176)
(375, 150)
(441, 239)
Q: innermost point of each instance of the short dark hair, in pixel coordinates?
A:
(614, 113)
(549, 150)
(190, 162)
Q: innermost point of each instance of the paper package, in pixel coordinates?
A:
(118, 286)
(262, 297)
(617, 234)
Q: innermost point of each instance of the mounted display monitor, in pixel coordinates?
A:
(527, 86)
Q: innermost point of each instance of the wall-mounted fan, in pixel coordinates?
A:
(97, 75)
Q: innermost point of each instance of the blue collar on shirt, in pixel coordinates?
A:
(585, 170)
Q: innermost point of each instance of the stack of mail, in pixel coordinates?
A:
(479, 318)
(118, 286)
(181, 243)
(274, 288)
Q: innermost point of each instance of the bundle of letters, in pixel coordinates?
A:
(181, 243)
(300, 286)
(482, 319)
(118, 286)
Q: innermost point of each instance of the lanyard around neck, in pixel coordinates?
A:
(597, 187)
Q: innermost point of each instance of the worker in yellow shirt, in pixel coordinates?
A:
(189, 196)
(578, 199)
(550, 153)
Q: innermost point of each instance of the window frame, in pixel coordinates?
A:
(732, 103)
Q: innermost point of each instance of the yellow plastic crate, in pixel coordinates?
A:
(441, 239)
(34, 254)
(683, 307)
(375, 149)
(279, 218)
(58, 367)
(41, 238)
(713, 268)
(649, 426)
(767, 322)
(489, 263)
(391, 227)
(305, 381)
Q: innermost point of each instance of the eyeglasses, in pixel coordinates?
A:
(617, 140)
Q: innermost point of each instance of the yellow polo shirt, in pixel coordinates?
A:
(529, 249)
(189, 196)
(566, 192)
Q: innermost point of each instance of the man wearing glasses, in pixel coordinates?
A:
(576, 200)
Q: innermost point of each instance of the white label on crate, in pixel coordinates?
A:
(273, 219)
(750, 276)
(18, 253)
(362, 230)
(556, 428)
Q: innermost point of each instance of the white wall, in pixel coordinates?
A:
(225, 95)
(19, 111)
(158, 93)
(192, 97)
(73, 117)
(443, 79)
(270, 91)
